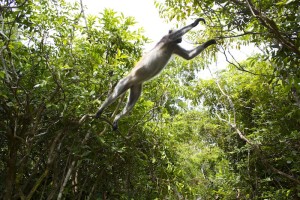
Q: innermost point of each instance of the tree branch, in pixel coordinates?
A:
(67, 177)
(10, 7)
(251, 143)
(269, 24)
(37, 184)
(239, 35)
(239, 67)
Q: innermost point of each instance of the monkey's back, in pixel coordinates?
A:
(152, 63)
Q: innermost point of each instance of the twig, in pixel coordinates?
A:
(239, 35)
(251, 143)
(66, 180)
(37, 184)
(272, 27)
(239, 67)
(85, 21)
(4, 35)
(1, 7)
(141, 119)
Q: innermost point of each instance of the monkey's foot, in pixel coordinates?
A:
(115, 126)
(98, 114)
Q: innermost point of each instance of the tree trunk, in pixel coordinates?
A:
(11, 167)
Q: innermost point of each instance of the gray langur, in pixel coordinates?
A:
(151, 65)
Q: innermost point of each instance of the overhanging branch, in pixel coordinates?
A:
(254, 145)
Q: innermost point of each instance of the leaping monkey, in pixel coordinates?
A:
(151, 65)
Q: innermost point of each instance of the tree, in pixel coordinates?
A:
(258, 105)
(57, 65)
(262, 130)
(53, 67)
(272, 26)
(231, 137)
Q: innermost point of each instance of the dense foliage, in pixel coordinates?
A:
(235, 136)
(255, 103)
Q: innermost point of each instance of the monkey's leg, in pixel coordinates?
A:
(120, 88)
(135, 93)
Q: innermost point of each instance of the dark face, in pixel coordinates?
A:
(176, 40)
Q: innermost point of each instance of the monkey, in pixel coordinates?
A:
(151, 65)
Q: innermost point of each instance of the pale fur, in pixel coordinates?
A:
(150, 66)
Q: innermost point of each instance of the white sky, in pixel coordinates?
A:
(144, 12)
(146, 16)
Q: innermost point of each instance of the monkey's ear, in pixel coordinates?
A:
(170, 31)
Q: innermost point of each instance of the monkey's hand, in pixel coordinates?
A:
(212, 41)
(196, 22)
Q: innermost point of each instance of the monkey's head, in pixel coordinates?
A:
(176, 39)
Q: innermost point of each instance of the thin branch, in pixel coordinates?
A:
(10, 7)
(83, 14)
(85, 21)
(227, 96)
(2, 24)
(4, 35)
(141, 119)
(15, 132)
(67, 177)
(232, 125)
(272, 27)
(51, 154)
(250, 8)
(283, 173)
(37, 184)
(7, 75)
(251, 143)
(239, 67)
(239, 35)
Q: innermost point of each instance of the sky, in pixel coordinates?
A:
(147, 16)
(143, 11)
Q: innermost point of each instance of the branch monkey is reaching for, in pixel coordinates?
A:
(151, 65)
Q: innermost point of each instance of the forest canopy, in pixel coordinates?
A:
(235, 135)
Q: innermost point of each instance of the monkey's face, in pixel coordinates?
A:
(178, 40)
(175, 40)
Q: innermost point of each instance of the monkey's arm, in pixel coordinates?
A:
(189, 54)
(179, 33)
